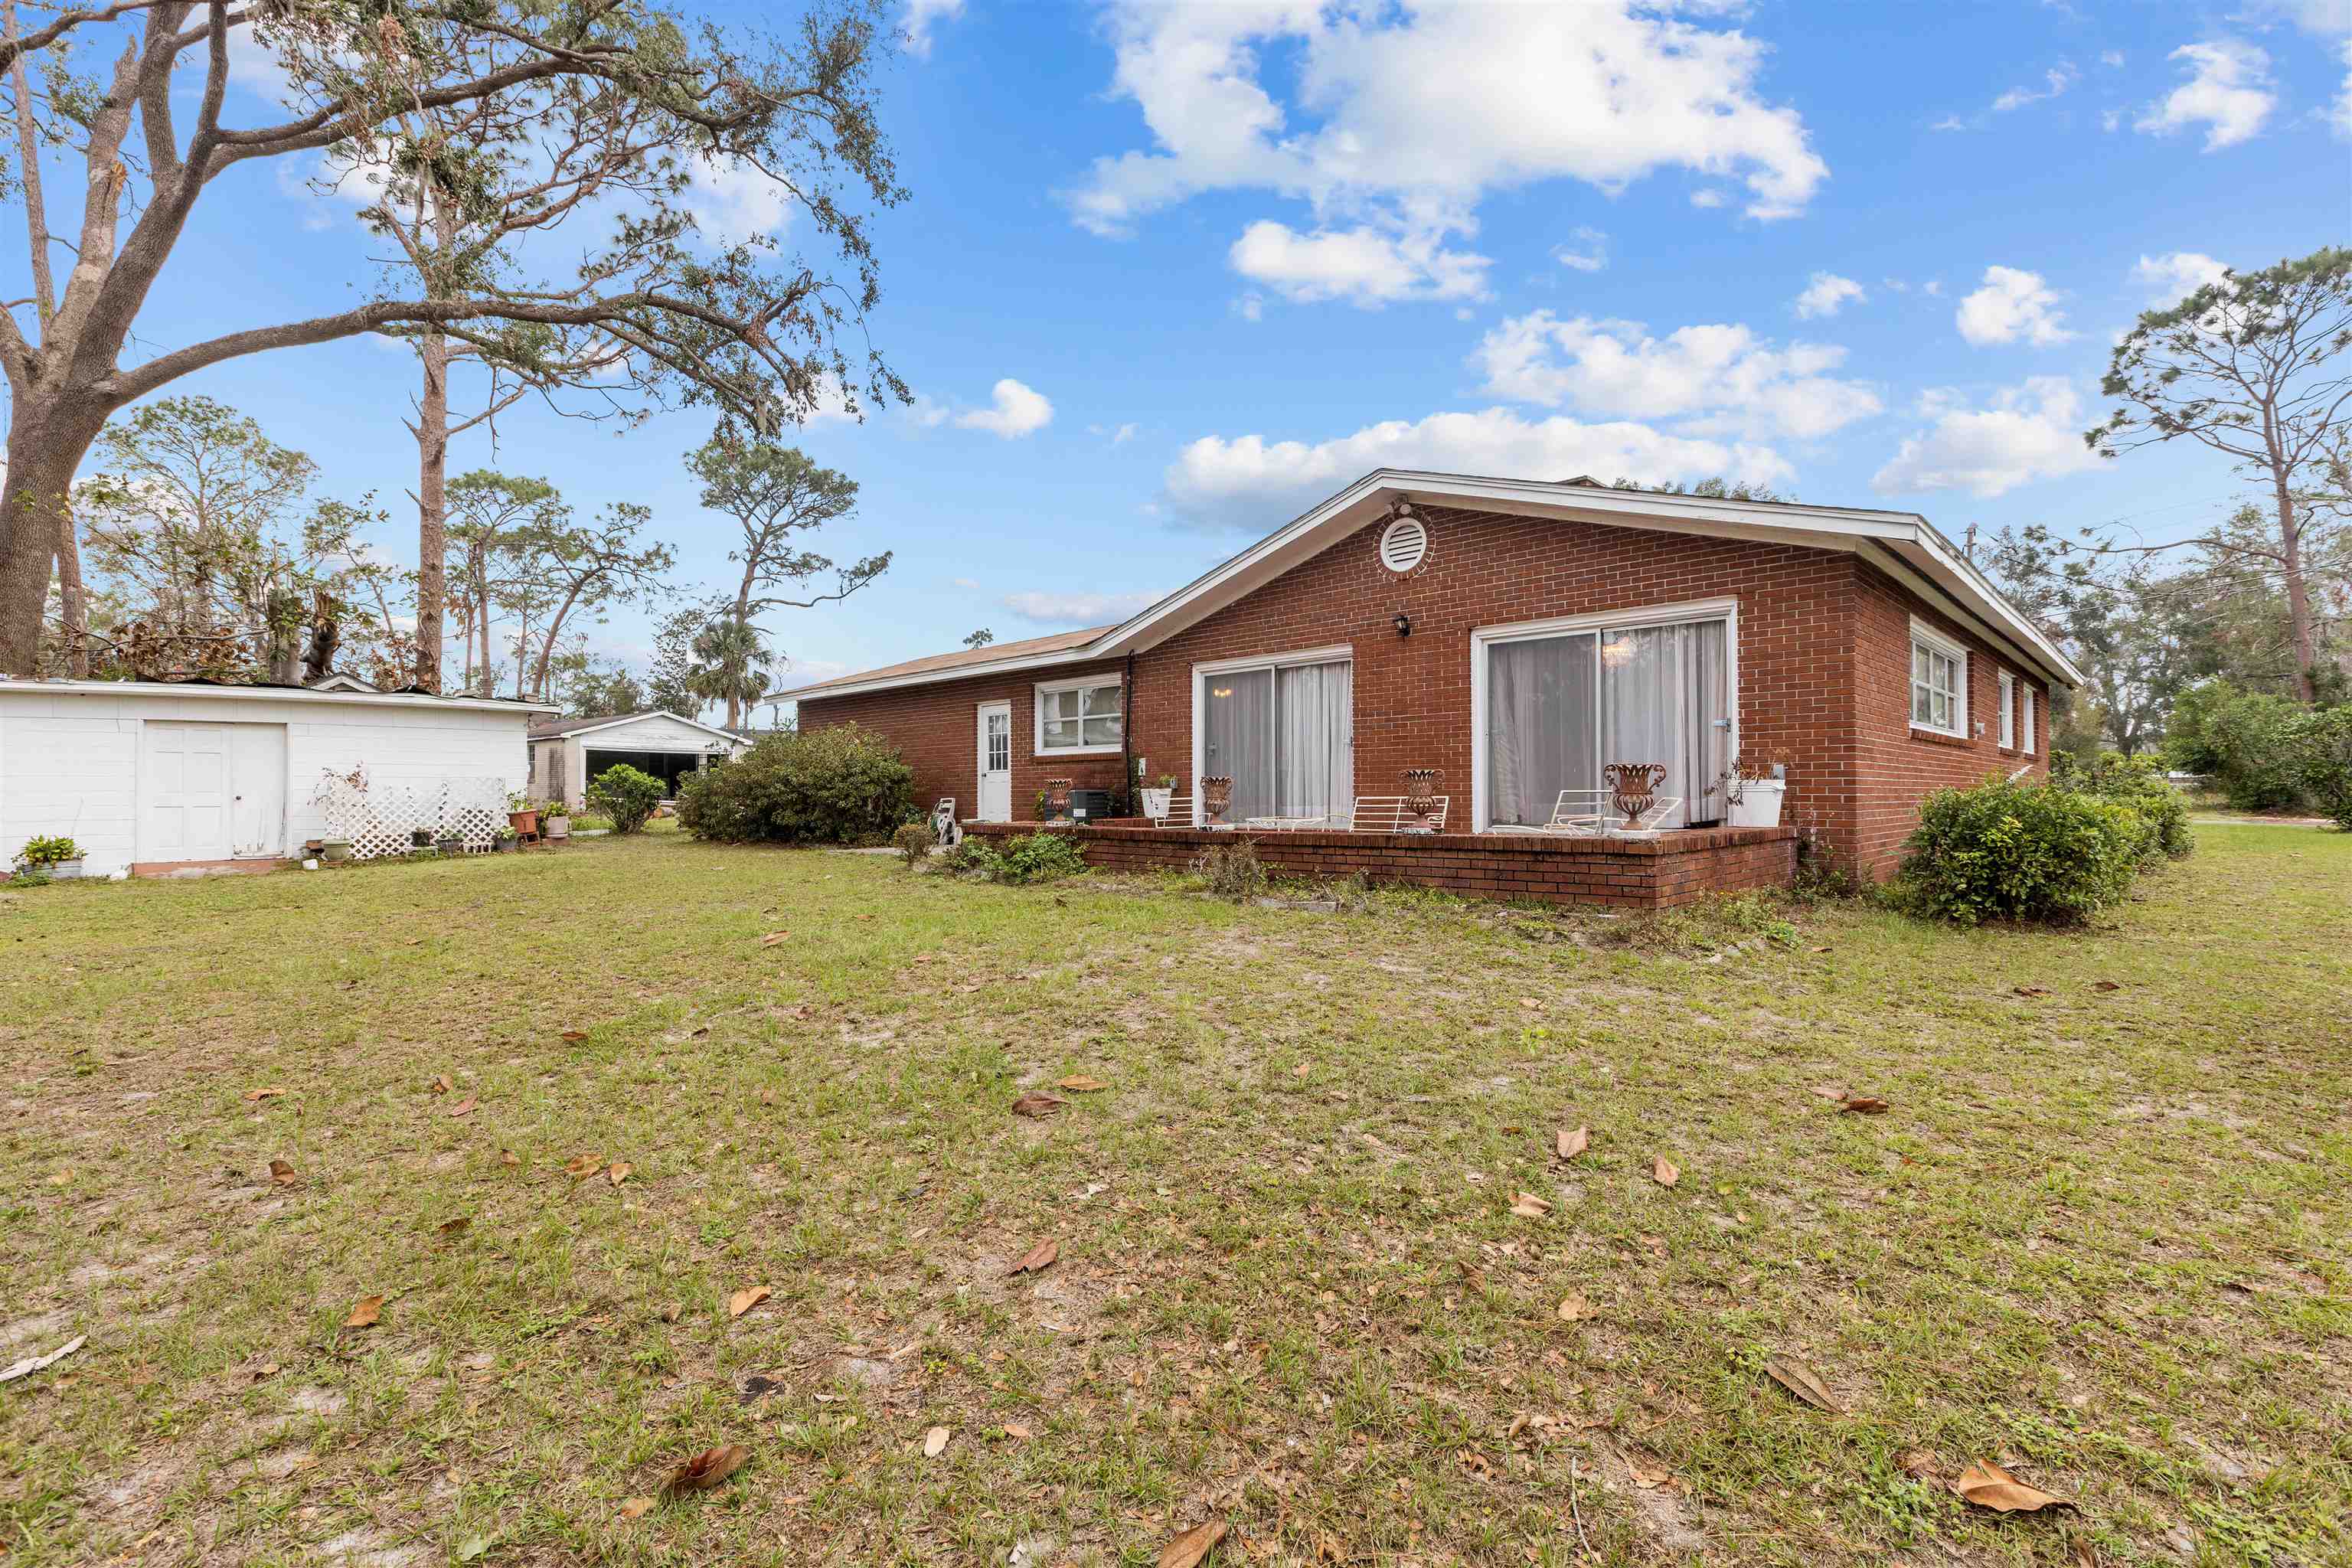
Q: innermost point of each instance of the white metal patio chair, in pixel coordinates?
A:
(1388, 814)
(1591, 814)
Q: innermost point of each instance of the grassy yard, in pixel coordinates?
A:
(2100, 1236)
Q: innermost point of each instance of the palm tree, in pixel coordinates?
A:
(731, 666)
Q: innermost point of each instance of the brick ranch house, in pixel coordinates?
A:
(1517, 635)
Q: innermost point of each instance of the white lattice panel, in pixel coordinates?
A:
(383, 820)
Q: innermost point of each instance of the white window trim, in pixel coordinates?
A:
(2008, 711)
(1726, 610)
(2025, 735)
(1334, 653)
(1925, 635)
(1038, 748)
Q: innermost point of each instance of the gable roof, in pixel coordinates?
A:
(558, 728)
(1904, 545)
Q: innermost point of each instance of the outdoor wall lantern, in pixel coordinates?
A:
(1403, 624)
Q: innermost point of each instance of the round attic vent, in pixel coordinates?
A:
(1403, 543)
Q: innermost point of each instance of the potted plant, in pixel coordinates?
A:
(557, 818)
(1753, 792)
(522, 813)
(506, 837)
(450, 842)
(1156, 802)
(420, 838)
(334, 851)
(59, 858)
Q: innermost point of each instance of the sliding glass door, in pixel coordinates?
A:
(1560, 702)
(1285, 733)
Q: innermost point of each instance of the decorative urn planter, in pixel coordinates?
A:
(1058, 798)
(1156, 803)
(1633, 789)
(1420, 798)
(334, 851)
(1217, 798)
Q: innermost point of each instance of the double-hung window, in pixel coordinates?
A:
(1077, 718)
(2008, 711)
(1939, 682)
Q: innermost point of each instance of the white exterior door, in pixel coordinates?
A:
(186, 792)
(256, 778)
(995, 796)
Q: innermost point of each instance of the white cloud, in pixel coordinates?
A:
(1586, 251)
(1363, 266)
(1721, 378)
(2169, 278)
(2321, 16)
(2012, 304)
(1707, 196)
(966, 581)
(1119, 434)
(2033, 431)
(734, 202)
(2054, 82)
(921, 16)
(1249, 482)
(2112, 58)
(1013, 411)
(2228, 91)
(1949, 123)
(2339, 113)
(1403, 119)
(1076, 609)
(1825, 294)
(1934, 286)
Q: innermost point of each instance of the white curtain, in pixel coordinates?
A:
(1540, 726)
(1664, 691)
(1237, 738)
(1315, 755)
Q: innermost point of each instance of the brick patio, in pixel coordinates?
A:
(1676, 868)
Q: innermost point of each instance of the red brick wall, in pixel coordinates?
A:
(1824, 659)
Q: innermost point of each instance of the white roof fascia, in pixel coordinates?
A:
(271, 694)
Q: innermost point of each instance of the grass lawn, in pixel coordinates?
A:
(2101, 1237)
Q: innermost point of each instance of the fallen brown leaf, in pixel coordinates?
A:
(1079, 1083)
(2032, 990)
(1574, 1309)
(1987, 1485)
(1530, 1003)
(1472, 1275)
(746, 1299)
(258, 1095)
(586, 1166)
(1663, 1171)
(1830, 1090)
(1014, 1430)
(2106, 986)
(935, 1442)
(1189, 1549)
(671, 1313)
(706, 1469)
(1038, 1259)
(637, 1508)
(1863, 1105)
(1569, 1142)
(1919, 1463)
(1302, 1070)
(1647, 1478)
(774, 937)
(1527, 1206)
(509, 1157)
(455, 1227)
(366, 1312)
(1035, 1103)
(619, 1171)
(464, 1107)
(440, 1085)
(1798, 1379)
(283, 1174)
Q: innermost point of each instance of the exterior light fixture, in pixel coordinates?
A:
(1403, 624)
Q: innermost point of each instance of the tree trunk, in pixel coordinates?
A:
(46, 446)
(2298, 594)
(432, 508)
(73, 600)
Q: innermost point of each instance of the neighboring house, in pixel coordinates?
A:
(567, 754)
(161, 775)
(1518, 634)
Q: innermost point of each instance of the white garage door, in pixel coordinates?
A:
(211, 791)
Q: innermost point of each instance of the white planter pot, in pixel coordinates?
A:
(1760, 806)
(558, 827)
(1156, 803)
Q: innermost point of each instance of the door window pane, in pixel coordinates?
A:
(1541, 730)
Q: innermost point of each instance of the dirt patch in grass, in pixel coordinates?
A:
(2098, 1236)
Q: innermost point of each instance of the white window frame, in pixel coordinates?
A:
(1726, 610)
(2025, 735)
(2008, 711)
(1935, 643)
(1079, 683)
(1337, 653)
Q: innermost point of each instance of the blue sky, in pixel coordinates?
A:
(1168, 276)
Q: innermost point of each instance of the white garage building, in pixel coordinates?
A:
(155, 777)
(566, 754)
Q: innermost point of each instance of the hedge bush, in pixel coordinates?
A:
(625, 795)
(2327, 762)
(2021, 852)
(2139, 782)
(838, 785)
(2266, 753)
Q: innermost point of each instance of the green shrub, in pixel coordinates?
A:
(626, 794)
(972, 856)
(2327, 762)
(2255, 740)
(836, 785)
(914, 841)
(2135, 781)
(47, 852)
(2021, 852)
(1041, 858)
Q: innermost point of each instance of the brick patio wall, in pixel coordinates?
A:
(1825, 670)
(1661, 873)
